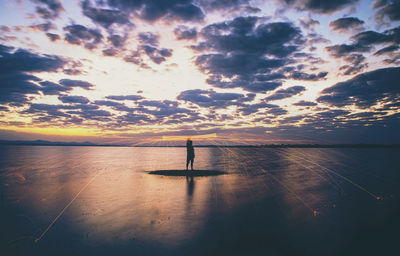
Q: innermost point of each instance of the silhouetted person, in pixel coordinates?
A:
(190, 154)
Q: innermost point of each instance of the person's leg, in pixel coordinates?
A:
(191, 163)
(187, 163)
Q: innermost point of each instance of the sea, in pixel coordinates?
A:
(82, 200)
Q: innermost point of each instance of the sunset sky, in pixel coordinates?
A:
(224, 72)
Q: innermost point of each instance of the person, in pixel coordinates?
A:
(190, 154)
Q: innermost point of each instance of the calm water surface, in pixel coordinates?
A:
(102, 201)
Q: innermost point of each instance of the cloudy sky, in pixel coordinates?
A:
(226, 71)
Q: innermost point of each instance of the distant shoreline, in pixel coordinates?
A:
(90, 144)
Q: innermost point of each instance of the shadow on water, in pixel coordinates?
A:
(195, 173)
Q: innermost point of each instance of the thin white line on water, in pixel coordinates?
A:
(65, 208)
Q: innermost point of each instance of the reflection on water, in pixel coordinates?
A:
(110, 200)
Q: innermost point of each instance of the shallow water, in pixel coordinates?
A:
(102, 201)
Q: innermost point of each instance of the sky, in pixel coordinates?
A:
(155, 72)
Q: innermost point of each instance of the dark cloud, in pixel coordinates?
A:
(308, 23)
(345, 24)
(124, 97)
(278, 39)
(365, 90)
(76, 83)
(43, 27)
(387, 12)
(25, 61)
(247, 109)
(73, 71)
(305, 103)
(105, 17)
(15, 69)
(48, 9)
(42, 111)
(211, 5)
(341, 50)
(115, 105)
(152, 10)
(81, 35)
(156, 55)
(50, 88)
(148, 38)
(210, 98)
(277, 111)
(386, 50)
(5, 29)
(148, 47)
(297, 75)
(319, 6)
(110, 52)
(102, 116)
(53, 37)
(357, 62)
(117, 40)
(236, 52)
(185, 33)
(285, 93)
(74, 99)
(373, 37)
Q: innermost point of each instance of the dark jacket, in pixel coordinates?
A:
(190, 150)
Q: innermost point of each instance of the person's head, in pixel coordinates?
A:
(189, 142)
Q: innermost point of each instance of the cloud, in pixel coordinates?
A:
(124, 97)
(117, 40)
(185, 33)
(285, 93)
(357, 62)
(81, 35)
(297, 75)
(341, 50)
(156, 55)
(105, 17)
(110, 52)
(153, 10)
(212, 5)
(148, 38)
(319, 6)
(364, 90)
(115, 105)
(388, 11)
(364, 42)
(343, 25)
(48, 9)
(43, 27)
(387, 49)
(74, 99)
(308, 23)
(53, 37)
(210, 98)
(373, 37)
(236, 52)
(305, 103)
(148, 47)
(50, 88)
(76, 83)
(25, 61)
(16, 66)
